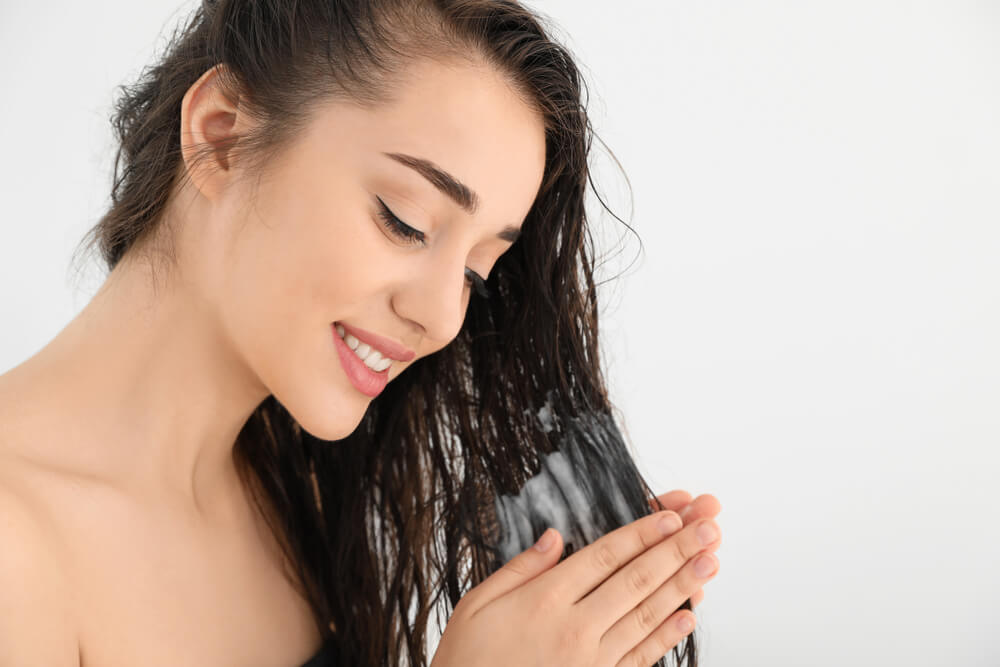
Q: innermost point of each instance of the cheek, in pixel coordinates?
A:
(284, 286)
(344, 272)
(305, 271)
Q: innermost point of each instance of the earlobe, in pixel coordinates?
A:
(209, 124)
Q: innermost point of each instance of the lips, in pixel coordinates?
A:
(387, 347)
(368, 382)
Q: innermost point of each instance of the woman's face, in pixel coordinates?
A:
(314, 248)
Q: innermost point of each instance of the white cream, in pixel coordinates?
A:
(562, 494)
(372, 358)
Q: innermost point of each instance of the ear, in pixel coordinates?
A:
(210, 121)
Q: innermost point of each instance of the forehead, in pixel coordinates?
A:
(465, 119)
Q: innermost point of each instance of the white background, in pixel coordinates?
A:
(810, 332)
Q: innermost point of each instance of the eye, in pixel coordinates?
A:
(415, 237)
(476, 281)
(398, 227)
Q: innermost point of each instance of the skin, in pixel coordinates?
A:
(705, 506)
(117, 436)
(615, 602)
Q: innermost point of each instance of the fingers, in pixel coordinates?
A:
(515, 573)
(672, 500)
(586, 568)
(645, 619)
(637, 576)
(658, 644)
(705, 506)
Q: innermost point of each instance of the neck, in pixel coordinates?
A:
(143, 390)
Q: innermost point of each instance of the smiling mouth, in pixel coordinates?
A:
(365, 379)
(371, 357)
(387, 347)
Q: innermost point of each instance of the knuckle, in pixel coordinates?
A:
(518, 567)
(548, 600)
(645, 619)
(634, 660)
(657, 649)
(640, 580)
(604, 558)
(640, 657)
(686, 583)
(678, 553)
(650, 537)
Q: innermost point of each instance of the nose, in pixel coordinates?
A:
(433, 295)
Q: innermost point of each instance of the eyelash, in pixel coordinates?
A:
(413, 236)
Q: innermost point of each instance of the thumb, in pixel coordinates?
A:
(518, 570)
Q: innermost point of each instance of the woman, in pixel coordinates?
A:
(334, 221)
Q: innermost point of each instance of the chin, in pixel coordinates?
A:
(325, 415)
(330, 429)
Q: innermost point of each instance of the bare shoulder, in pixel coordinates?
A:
(37, 626)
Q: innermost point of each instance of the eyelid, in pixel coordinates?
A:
(397, 227)
(387, 209)
(409, 206)
(507, 245)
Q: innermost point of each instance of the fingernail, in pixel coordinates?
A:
(669, 524)
(704, 566)
(707, 533)
(685, 624)
(546, 540)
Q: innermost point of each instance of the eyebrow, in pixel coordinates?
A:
(451, 187)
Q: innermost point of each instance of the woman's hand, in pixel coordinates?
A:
(613, 603)
(705, 506)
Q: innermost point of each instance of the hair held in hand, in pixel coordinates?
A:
(468, 456)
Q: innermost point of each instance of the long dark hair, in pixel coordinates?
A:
(383, 526)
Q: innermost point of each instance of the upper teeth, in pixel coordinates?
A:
(373, 358)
